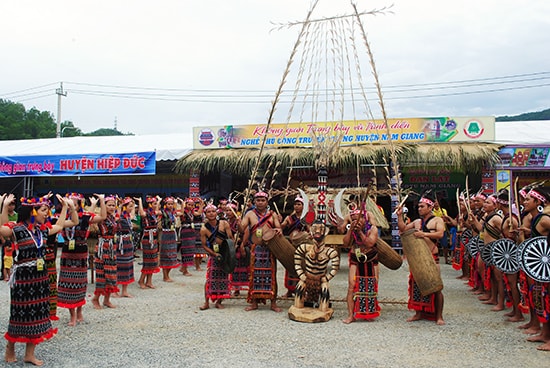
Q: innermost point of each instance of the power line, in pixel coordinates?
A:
(269, 91)
(264, 96)
(225, 101)
(28, 89)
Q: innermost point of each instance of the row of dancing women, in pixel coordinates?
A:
(37, 228)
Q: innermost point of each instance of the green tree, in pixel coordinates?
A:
(104, 132)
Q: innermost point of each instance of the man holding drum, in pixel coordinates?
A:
(430, 229)
(263, 264)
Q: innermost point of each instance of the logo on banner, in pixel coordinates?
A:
(473, 129)
(206, 137)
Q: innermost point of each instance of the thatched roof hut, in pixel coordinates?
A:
(461, 157)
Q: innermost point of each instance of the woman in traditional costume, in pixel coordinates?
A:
(149, 242)
(105, 257)
(29, 312)
(213, 233)
(168, 239)
(73, 274)
(125, 247)
(187, 236)
(241, 274)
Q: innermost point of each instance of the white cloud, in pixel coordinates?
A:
(227, 45)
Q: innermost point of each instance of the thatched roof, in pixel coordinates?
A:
(459, 156)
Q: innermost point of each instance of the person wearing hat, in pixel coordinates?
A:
(214, 233)
(429, 228)
(73, 273)
(29, 284)
(263, 264)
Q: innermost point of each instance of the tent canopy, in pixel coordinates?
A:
(166, 146)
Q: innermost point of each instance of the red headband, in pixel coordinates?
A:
(210, 206)
(533, 193)
(429, 202)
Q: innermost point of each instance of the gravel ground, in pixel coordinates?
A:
(165, 328)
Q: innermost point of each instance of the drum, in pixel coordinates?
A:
(535, 257)
(300, 237)
(474, 245)
(388, 256)
(505, 255)
(421, 263)
(486, 251)
(283, 250)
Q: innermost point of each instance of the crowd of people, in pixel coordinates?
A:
(178, 234)
(482, 221)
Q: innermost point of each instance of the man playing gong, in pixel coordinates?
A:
(429, 228)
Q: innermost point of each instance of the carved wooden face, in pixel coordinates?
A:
(318, 231)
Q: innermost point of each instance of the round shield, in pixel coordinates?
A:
(227, 251)
(466, 236)
(505, 255)
(486, 251)
(535, 257)
(474, 245)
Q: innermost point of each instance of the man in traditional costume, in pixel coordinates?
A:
(539, 292)
(429, 228)
(263, 264)
(291, 225)
(362, 295)
(490, 229)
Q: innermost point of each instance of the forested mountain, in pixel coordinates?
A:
(539, 115)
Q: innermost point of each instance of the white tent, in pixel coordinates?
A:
(166, 146)
(522, 132)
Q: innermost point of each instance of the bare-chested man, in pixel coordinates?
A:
(489, 229)
(537, 223)
(429, 228)
(258, 222)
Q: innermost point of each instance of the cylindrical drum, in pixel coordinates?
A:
(283, 250)
(388, 256)
(421, 263)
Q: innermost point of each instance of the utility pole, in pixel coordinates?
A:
(59, 93)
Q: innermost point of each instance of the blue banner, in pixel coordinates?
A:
(141, 163)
